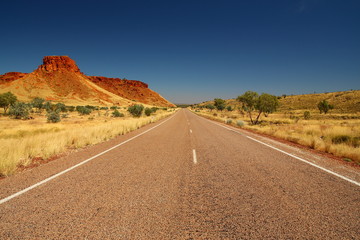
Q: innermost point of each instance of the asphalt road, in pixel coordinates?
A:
(153, 187)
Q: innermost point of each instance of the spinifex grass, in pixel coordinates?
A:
(22, 141)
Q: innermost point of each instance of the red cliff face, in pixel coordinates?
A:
(117, 81)
(58, 63)
(61, 77)
(11, 76)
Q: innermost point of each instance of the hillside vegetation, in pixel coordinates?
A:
(344, 102)
(298, 120)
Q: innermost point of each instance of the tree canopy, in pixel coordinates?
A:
(6, 100)
(251, 101)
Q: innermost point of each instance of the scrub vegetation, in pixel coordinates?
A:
(47, 129)
(328, 122)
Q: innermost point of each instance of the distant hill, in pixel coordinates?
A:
(344, 102)
(60, 79)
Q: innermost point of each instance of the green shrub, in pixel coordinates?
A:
(228, 121)
(104, 108)
(116, 113)
(60, 107)
(154, 109)
(83, 110)
(114, 107)
(148, 111)
(136, 110)
(53, 117)
(6, 100)
(240, 123)
(307, 115)
(38, 103)
(19, 110)
(48, 106)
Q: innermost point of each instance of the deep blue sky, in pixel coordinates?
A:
(192, 51)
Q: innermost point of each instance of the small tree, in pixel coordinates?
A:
(48, 106)
(324, 106)
(6, 100)
(219, 104)
(210, 106)
(38, 103)
(136, 110)
(265, 103)
(148, 111)
(249, 100)
(116, 113)
(229, 108)
(83, 110)
(53, 117)
(60, 107)
(19, 110)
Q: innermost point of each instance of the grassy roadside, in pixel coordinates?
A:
(335, 134)
(23, 141)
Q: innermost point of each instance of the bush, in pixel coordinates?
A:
(48, 106)
(324, 106)
(104, 108)
(83, 110)
(38, 103)
(6, 100)
(53, 117)
(154, 109)
(229, 108)
(240, 123)
(136, 110)
(19, 110)
(116, 113)
(60, 107)
(307, 115)
(148, 111)
(114, 107)
(228, 121)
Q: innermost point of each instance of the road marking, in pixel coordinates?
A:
(194, 157)
(77, 165)
(190, 131)
(291, 155)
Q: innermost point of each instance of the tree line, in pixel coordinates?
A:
(254, 105)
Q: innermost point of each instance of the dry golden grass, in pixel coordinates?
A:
(338, 134)
(344, 102)
(21, 141)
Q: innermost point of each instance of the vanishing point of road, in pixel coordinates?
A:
(184, 177)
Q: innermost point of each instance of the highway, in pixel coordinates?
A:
(184, 177)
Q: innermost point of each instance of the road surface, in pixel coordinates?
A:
(184, 178)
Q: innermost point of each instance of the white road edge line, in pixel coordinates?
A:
(190, 131)
(194, 156)
(77, 165)
(291, 155)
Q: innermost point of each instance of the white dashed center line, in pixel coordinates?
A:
(194, 156)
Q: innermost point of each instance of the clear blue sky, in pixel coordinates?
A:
(192, 51)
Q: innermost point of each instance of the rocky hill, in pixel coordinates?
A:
(60, 79)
